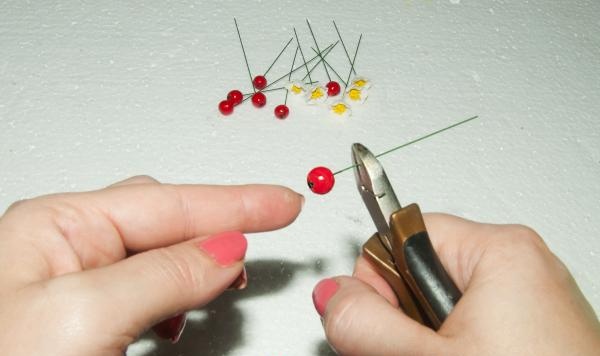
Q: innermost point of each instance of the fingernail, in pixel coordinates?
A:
(225, 248)
(302, 199)
(240, 282)
(172, 328)
(323, 291)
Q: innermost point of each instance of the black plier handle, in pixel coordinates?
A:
(401, 250)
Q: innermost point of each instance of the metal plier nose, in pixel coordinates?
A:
(401, 250)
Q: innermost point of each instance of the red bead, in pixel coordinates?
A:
(320, 180)
(259, 99)
(281, 111)
(260, 82)
(235, 96)
(226, 107)
(333, 88)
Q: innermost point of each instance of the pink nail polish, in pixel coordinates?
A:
(171, 329)
(225, 248)
(323, 291)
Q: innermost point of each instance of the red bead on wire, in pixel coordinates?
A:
(320, 180)
(235, 96)
(260, 82)
(259, 99)
(226, 107)
(333, 88)
(281, 111)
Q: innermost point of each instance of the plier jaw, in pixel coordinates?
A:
(375, 190)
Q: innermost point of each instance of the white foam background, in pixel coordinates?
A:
(94, 92)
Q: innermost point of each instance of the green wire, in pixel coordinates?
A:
(414, 141)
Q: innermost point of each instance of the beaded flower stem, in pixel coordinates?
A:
(282, 111)
(330, 67)
(328, 49)
(343, 45)
(244, 52)
(414, 141)
(302, 54)
(319, 61)
(279, 55)
(318, 50)
(352, 63)
(263, 91)
(287, 91)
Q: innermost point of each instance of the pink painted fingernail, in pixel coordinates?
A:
(323, 291)
(225, 248)
(171, 329)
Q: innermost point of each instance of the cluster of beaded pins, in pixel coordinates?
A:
(320, 179)
(355, 91)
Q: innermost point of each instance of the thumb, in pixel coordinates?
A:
(151, 286)
(359, 321)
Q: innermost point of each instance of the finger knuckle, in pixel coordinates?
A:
(19, 206)
(70, 220)
(516, 245)
(524, 237)
(143, 178)
(179, 268)
(43, 204)
(54, 208)
(339, 319)
(245, 215)
(181, 204)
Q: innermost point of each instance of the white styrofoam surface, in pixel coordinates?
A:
(93, 92)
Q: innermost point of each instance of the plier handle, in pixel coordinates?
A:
(401, 250)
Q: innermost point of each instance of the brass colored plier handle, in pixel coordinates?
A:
(401, 250)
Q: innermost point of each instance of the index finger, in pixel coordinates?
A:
(154, 215)
(102, 226)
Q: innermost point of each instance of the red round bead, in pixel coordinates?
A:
(235, 96)
(226, 107)
(333, 88)
(259, 99)
(260, 82)
(281, 111)
(320, 180)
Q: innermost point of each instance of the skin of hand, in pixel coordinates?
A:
(518, 299)
(86, 273)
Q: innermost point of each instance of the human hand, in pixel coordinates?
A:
(518, 299)
(68, 287)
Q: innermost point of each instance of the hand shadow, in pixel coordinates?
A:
(217, 328)
(323, 349)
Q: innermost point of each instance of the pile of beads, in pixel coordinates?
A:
(354, 92)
